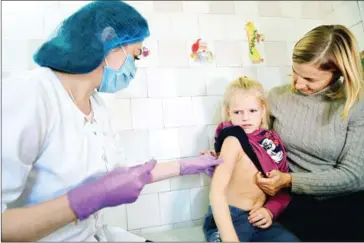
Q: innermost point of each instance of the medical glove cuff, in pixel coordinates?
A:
(204, 163)
(87, 199)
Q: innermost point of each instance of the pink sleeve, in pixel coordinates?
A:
(221, 126)
(280, 201)
(218, 129)
(283, 165)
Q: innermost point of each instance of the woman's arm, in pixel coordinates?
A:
(188, 166)
(166, 170)
(39, 220)
(230, 152)
(35, 222)
(347, 176)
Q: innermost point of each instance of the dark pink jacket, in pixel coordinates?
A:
(269, 149)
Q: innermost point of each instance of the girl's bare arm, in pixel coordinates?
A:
(230, 152)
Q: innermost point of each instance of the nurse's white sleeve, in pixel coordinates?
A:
(24, 128)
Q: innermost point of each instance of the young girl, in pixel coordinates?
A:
(239, 210)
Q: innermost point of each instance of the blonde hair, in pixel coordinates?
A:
(333, 48)
(247, 85)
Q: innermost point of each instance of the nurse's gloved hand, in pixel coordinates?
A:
(204, 163)
(120, 186)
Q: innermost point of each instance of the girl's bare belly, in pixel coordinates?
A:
(242, 191)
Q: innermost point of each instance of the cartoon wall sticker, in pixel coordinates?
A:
(253, 38)
(200, 52)
(144, 52)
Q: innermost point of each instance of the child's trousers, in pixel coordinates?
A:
(245, 230)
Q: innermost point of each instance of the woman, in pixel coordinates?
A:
(59, 167)
(320, 118)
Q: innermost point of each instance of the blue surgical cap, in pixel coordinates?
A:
(83, 40)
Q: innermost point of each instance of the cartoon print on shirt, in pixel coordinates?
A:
(272, 146)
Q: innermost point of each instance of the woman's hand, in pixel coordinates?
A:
(276, 181)
(203, 163)
(120, 186)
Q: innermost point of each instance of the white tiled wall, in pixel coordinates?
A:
(172, 107)
(350, 14)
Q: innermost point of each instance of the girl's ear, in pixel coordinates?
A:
(227, 112)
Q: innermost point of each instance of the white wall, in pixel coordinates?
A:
(172, 107)
(350, 14)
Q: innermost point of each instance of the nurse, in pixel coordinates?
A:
(58, 153)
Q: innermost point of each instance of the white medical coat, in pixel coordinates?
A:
(48, 147)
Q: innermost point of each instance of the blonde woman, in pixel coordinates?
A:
(240, 211)
(320, 118)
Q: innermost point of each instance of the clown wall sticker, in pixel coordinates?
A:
(253, 38)
(143, 52)
(200, 52)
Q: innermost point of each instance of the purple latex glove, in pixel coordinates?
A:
(120, 186)
(204, 163)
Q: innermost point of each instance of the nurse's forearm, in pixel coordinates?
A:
(164, 171)
(35, 222)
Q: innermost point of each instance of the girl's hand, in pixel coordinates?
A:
(261, 217)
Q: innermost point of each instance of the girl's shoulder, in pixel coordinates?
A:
(221, 126)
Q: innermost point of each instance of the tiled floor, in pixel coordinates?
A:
(192, 234)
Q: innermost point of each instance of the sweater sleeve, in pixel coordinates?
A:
(348, 175)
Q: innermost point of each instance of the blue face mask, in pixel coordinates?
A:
(116, 80)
